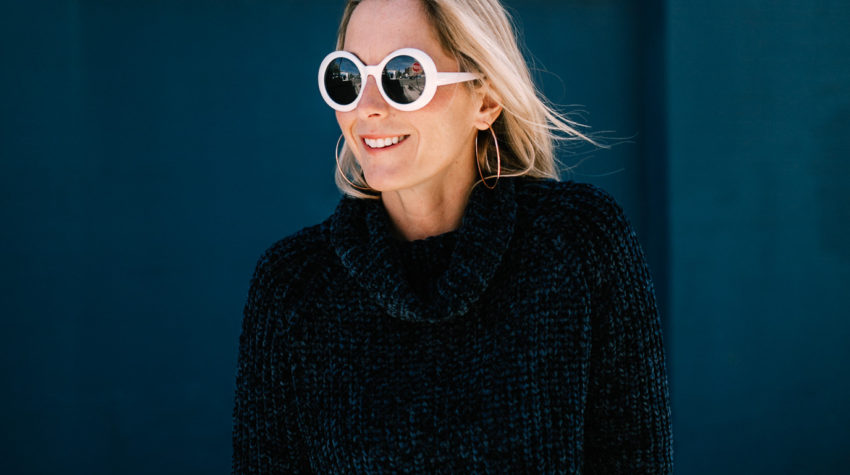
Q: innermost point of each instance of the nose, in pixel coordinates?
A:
(372, 103)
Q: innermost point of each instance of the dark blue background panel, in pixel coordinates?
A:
(760, 214)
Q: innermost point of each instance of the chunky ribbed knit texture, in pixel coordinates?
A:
(526, 341)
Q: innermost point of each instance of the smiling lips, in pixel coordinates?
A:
(384, 141)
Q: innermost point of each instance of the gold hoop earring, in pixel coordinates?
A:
(498, 160)
(339, 168)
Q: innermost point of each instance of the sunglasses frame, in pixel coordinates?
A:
(428, 67)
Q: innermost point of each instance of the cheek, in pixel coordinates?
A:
(452, 107)
(450, 120)
(342, 118)
(346, 122)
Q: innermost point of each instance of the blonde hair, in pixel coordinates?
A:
(480, 34)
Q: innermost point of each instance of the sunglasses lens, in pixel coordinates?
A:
(403, 79)
(342, 81)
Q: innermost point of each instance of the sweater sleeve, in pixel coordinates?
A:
(628, 423)
(264, 417)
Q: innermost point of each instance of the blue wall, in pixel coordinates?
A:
(149, 152)
(759, 114)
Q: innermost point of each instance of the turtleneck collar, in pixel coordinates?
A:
(361, 230)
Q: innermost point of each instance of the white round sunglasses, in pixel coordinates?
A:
(407, 79)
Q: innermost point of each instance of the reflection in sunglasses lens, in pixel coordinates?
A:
(342, 81)
(403, 79)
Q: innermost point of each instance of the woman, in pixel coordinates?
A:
(461, 311)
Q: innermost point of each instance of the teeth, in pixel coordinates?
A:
(385, 141)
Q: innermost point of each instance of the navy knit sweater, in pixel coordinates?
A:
(526, 341)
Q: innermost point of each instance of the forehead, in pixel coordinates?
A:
(379, 27)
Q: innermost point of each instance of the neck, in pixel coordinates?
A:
(428, 209)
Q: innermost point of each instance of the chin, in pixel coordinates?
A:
(384, 184)
(387, 180)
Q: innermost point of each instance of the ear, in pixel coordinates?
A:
(489, 106)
